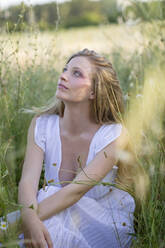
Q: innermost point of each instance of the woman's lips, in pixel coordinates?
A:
(61, 86)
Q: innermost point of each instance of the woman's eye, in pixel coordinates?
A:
(77, 73)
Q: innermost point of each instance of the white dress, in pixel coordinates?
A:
(103, 217)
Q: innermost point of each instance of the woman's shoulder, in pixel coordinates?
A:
(43, 118)
(111, 132)
(107, 134)
(42, 121)
(107, 130)
(43, 128)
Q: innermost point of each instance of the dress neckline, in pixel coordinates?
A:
(60, 146)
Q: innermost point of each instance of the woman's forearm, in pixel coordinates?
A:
(57, 202)
(27, 196)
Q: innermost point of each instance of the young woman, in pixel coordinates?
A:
(79, 138)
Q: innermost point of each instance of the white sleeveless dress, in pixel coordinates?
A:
(103, 217)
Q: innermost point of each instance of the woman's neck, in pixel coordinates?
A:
(77, 119)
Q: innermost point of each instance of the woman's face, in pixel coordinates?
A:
(75, 84)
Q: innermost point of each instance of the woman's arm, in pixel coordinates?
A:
(28, 185)
(97, 169)
(35, 233)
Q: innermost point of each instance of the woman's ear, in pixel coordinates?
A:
(92, 95)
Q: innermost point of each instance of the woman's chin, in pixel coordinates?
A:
(58, 95)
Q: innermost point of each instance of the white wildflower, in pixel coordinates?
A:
(3, 225)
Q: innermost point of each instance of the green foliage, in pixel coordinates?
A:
(81, 13)
(19, 89)
(131, 70)
(75, 13)
(146, 11)
(110, 10)
(87, 19)
(152, 214)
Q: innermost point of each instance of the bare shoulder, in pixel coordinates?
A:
(30, 137)
(33, 158)
(33, 123)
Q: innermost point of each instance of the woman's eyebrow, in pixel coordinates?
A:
(74, 67)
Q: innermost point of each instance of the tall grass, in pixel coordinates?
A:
(29, 67)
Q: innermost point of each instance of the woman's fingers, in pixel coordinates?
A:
(27, 242)
(39, 244)
(48, 238)
(36, 232)
(28, 245)
(35, 241)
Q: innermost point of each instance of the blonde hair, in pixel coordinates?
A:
(108, 107)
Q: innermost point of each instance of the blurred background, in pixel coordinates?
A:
(36, 38)
(43, 14)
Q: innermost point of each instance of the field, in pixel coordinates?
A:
(30, 64)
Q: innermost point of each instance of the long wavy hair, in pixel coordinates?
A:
(106, 108)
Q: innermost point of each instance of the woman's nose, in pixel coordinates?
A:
(63, 76)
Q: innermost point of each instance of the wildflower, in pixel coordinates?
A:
(3, 225)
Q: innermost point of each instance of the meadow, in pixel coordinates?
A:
(30, 64)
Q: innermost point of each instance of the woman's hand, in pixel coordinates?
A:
(34, 231)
